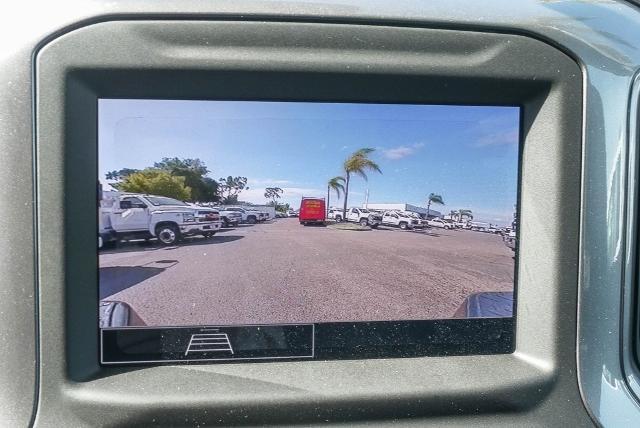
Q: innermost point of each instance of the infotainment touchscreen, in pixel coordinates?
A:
(270, 230)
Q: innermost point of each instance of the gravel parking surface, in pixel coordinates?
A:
(282, 272)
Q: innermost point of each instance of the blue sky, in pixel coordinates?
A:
(468, 154)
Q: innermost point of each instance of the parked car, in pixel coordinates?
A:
(422, 223)
(230, 218)
(399, 219)
(452, 224)
(364, 217)
(138, 216)
(262, 215)
(479, 226)
(248, 216)
(292, 213)
(439, 223)
(312, 210)
(335, 214)
(486, 304)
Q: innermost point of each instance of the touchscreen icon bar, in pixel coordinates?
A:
(209, 342)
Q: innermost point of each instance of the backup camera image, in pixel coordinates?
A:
(215, 215)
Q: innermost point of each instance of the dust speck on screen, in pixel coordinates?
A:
(261, 231)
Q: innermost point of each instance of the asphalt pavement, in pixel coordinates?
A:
(283, 272)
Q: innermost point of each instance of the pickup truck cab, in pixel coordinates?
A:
(230, 218)
(137, 216)
(436, 222)
(364, 217)
(335, 214)
(247, 216)
(399, 219)
(262, 215)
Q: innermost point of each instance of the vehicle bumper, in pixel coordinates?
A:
(510, 242)
(198, 228)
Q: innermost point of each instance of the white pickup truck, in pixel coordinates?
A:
(364, 217)
(438, 222)
(137, 216)
(399, 219)
(248, 216)
(335, 214)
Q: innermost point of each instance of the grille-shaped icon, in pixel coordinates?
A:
(209, 342)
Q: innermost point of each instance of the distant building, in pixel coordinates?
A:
(403, 207)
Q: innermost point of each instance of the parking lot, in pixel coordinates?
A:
(280, 272)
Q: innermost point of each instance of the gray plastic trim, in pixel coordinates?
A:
(333, 62)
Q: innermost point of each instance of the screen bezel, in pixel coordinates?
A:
(139, 60)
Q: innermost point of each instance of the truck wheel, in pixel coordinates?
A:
(403, 226)
(167, 234)
(251, 220)
(363, 222)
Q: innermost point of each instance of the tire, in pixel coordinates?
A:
(251, 219)
(338, 218)
(168, 234)
(225, 222)
(375, 226)
(363, 222)
(403, 226)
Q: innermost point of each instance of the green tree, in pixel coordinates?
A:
(358, 163)
(433, 199)
(229, 188)
(283, 207)
(120, 175)
(273, 193)
(194, 171)
(155, 182)
(335, 184)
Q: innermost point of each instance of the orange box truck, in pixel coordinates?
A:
(312, 210)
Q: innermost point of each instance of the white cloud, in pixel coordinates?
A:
(267, 182)
(400, 152)
(503, 138)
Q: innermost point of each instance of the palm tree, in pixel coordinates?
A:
(433, 199)
(336, 185)
(454, 215)
(358, 163)
(462, 213)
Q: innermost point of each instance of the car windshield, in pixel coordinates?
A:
(362, 210)
(161, 200)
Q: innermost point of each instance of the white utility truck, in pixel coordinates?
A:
(364, 217)
(399, 219)
(137, 216)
